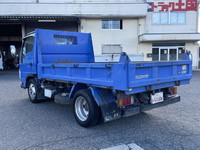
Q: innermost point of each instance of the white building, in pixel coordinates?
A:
(158, 29)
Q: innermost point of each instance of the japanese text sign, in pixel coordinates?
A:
(172, 5)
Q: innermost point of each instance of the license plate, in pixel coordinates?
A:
(157, 98)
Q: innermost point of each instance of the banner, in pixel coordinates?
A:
(172, 5)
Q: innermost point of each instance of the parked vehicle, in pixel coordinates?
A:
(1, 61)
(60, 65)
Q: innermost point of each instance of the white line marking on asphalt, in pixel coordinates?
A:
(134, 146)
(119, 147)
(131, 146)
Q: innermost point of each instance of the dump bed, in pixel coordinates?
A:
(69, 57)
(132, 77)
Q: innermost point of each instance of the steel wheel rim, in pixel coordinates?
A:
(32, 91)
(81, 108)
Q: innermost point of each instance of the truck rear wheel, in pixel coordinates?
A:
(33, 91)
(86, 111)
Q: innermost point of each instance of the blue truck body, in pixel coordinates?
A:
(68, 58)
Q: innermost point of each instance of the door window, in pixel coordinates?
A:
(173, 54)
(181, 52)
(27, 49)
(163, 54)
(155, 55)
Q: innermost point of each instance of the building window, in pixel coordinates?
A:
(111, 49)
(177, 18)
(112, 24)
(169, 18)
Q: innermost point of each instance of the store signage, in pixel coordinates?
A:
(172, 5)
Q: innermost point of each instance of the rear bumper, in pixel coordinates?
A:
(145, 107)
(111, 111)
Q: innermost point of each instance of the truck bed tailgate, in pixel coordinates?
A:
(153, 75)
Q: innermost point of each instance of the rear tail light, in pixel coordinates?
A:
(173, 90)
(125, 101)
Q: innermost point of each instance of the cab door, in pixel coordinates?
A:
(27, 60)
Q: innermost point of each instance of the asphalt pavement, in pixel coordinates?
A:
(49, 126)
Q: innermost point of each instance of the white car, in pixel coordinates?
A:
(1, 62)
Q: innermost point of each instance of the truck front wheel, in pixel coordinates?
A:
(33, 91)
(86, 111)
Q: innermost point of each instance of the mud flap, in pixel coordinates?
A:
(107, 102)
(110, 111)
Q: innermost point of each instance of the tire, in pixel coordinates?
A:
(86, 112)
(33, 91)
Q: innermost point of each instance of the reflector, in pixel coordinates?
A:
(174, 90)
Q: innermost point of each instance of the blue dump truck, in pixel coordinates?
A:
(60, 65)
